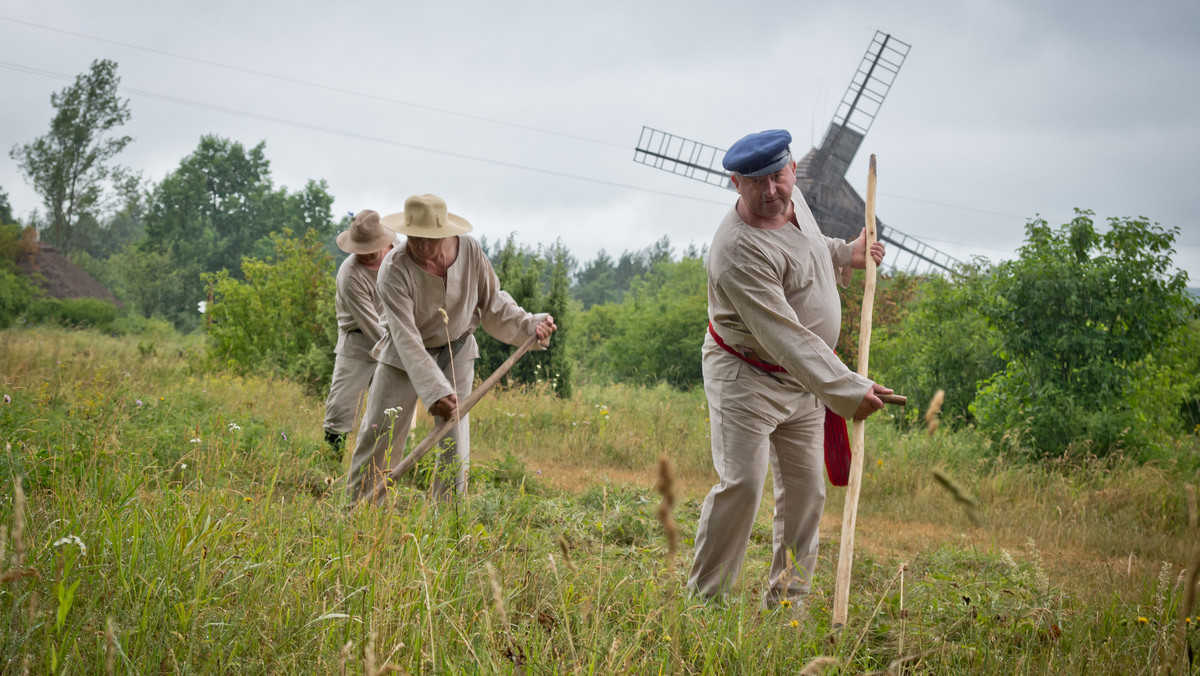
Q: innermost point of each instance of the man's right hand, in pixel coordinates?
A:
(871, 403)
(447, 406)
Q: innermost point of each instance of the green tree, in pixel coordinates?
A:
(538, 280)
(939, 341)
(1081, 314)
(6, 214)
(217, 208)
(656, 333)
(69, 166)
(280, 318)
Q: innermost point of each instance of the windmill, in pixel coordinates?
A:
(821, 173)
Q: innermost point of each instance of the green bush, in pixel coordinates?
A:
(72, 313)
(280, 319)
(942, 342)
(16, 293)
(1081, 315)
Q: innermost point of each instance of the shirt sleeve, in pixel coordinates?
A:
(360, 303)
(842, 252)
(499, 314)
(756, 291)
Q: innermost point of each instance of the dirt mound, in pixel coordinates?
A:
(61, 278)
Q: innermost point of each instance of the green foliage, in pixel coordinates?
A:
(72, 313)
(218, 207)
(16, 293)
(603, 281)
(280, 319)
(6, 214)
(942, 341)
(539, 282)
(1079, 314)
(68, 166)
(655, 335)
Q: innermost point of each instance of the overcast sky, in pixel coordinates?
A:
(524, 115)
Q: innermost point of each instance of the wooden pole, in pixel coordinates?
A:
(442, 430)
(841, 597)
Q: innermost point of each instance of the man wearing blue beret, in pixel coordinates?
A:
(770, 369)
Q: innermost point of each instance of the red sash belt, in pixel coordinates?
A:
(837, 442)
(769, 368)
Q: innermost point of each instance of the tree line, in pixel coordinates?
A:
(1086, 343)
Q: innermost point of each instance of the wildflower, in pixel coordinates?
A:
(879, 462)
(139, 403)
(183, 465)
(1142, 620)
(7, 399)
(247, 499)
(785, 604)
(72, 540)
(202, 306)
(195, 441)
(234, 426)
(1187, 620)
(667, 638)
(539, 472)
(392, 412)
(794, 623)
(283, 435)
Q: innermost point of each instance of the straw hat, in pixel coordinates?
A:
(366, 234)
(426, 216)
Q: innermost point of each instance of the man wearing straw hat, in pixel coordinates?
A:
(436, 290)
(358, 312)
(770, 369)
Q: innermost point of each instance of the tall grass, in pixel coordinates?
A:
(175, 521)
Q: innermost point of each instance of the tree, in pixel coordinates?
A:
(68, 166)
(6, 215)
(1081, 315)
(217, 208)
(280, 318)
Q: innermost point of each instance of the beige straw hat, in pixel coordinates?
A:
(366, 234)
(426, 216)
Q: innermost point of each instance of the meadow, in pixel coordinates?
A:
(156, 517)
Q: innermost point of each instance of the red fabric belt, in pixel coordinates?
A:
(837, 442)
(769, 368)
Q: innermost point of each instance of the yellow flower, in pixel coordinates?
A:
(794, 623)
(667, 638)
(1142, 620)
(785, 603)
(879, 463)
(248, 499)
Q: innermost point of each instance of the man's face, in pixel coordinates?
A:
(374, 259)
(767, 196)
(424, 249)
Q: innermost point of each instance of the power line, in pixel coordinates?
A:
(359, 136)
(317, 85)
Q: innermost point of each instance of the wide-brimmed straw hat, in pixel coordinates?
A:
(426, 216)
(366, 234)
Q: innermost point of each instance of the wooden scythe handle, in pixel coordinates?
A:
(442, 430)
(841, 598)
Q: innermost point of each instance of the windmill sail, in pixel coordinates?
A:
(821, 173)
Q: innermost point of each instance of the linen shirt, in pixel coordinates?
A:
(772, 295)
(413, 325)
(358, 310)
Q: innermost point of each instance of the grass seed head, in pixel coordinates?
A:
(932, 413)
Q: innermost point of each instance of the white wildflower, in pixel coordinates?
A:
(195, 441)
(234, 426)
(392, 412)
(72, 540)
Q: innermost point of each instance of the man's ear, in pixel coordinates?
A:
(737, 181)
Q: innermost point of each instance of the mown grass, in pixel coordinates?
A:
(217, 541)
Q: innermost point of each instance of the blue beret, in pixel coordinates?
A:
(759, 154)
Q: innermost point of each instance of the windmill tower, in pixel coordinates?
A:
(820, 173)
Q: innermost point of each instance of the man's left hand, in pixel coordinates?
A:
(857, 258)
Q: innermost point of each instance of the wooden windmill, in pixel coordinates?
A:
(821, 173)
